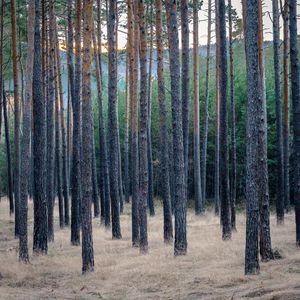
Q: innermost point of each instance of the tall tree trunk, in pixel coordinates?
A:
(217, 114)
(17, 114)
(197, 174)
(96, 200)
(39, 145)
(76, 158)
(149, 138)
(65, 183)
(280, 175)
(286, 129)
(113, 121)
(255, 111)
(133, 44)
(224, 171)
(50, 125)
(164, 151)
(25, 143)
(265, 235)
(296, 109)
(233, 130)
(180, 246)
(185, 78)
(205, 131)
(104, 172)
(87, 141)
(143, 165)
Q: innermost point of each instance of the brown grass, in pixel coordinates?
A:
(213, 269)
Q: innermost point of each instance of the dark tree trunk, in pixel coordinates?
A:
(65, 183)
(265, 235)
(205, 130)
(133, 41)
(76, 158)
(57, 153)
(255, 111)
(224, 172)
(96, 200)
(17, 114)
(180, 246)
(113, 121)
(39, 145)
(50, 125)
(149, 138)
(185, 78)
(104, 173)
(143, 165)
(286, 124)
(295, 89)
(199, 209)
(87, 142)
(164, 151)
(233, 130)
(25, 143)
(217, 116)
(279, 145)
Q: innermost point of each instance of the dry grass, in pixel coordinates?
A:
(213, 269)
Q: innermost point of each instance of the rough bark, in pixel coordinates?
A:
(164, 151)
(295, 93)
(180, 246)
(39, 145)
(87, 142)
(16, 113)
(196, 133)
(278, 104)
(206, 102)
(113, 122)
(76, 162)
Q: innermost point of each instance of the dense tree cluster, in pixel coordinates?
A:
(148, 131)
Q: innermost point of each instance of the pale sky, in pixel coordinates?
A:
(267, 9)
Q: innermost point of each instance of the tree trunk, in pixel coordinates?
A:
(65, 184)
(286, 129)
(87, 142)
(149, 138)
(185, 78)
(280, 176)
(133, 44)
(113, 122)
(143, 165)
(197, 173)
(164, 151)
(205, 131)
(180, 246)
(39, 145)
(17, 115)
(295, 89)
(96, 200)
(50, 125)
(76, 158)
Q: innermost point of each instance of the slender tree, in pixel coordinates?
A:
(39, 145)
(17, 114)
(143, 164)
(87, 141)
(197, 174)
(180, 246)
(280, 175)
(295, 93)
(76, 159)
(164, 152)
(113, 121)
(206, 102)
(286, 129)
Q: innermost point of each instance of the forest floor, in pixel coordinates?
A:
(212, 269)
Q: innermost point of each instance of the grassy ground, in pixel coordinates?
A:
(213, 269)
